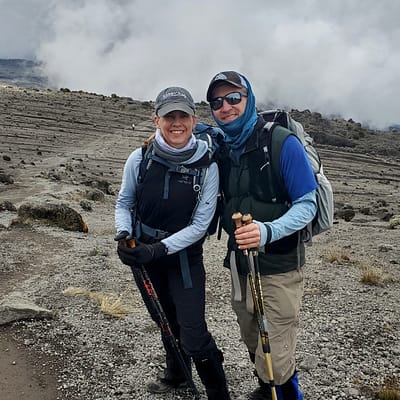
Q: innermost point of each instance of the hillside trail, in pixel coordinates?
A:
(59, 145)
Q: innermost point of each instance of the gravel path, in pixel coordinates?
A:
(348, 335)
(349, 331)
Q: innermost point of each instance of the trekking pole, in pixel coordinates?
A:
(258, 300)
(163, 321)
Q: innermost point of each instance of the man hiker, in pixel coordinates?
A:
(248, 187)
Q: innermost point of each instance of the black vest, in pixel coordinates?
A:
(167, 199)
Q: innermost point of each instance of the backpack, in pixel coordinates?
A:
(213, 137)
(323, 220)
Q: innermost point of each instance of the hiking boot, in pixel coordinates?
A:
(163, 385)
(290, 389)
(211, 373)
(158, 386)
(263, 392)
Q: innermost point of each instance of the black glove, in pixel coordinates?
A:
(142, 253)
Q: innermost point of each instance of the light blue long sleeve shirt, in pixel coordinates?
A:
(301, 186)
(299, 215)
(126, 202)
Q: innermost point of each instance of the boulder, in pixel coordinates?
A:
(54, 214)
(19, 308)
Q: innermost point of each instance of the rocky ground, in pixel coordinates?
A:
(69, 147)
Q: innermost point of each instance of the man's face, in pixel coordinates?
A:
(227, 112)
(176, 127)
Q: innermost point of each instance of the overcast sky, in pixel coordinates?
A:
(336, 57)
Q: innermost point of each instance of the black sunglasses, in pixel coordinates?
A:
(231, 99)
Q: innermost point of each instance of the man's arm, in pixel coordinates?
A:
(300, 184)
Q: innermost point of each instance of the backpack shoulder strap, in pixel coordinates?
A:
(272, 137)
(277, 136)
(145, 163)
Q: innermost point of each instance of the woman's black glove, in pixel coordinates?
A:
(142, 253)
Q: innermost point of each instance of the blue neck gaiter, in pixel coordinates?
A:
(238, 131)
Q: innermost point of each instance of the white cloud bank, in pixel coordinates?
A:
(338, 57)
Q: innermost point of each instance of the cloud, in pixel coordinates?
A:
(338, 58)
(22, 27)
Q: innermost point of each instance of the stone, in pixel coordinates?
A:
(19, 308)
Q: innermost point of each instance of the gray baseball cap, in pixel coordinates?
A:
(231, 77)
(174, 99)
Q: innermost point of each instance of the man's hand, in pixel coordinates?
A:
(248, 236)
(142, 253)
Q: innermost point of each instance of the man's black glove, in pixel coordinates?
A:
(142, 253)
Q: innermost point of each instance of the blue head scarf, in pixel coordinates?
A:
(238, 131)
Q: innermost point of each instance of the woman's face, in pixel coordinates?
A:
(176, 127)
(228, 113)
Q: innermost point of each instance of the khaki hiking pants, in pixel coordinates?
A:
(282, 299)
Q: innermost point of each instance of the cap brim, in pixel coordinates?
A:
(167, 108)
(218, 82)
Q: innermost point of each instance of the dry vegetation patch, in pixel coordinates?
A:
(109, 303)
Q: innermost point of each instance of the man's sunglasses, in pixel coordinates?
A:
(231, 99)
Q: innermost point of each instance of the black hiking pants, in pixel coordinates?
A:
(184, 308)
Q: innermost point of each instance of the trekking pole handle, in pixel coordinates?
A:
(125, 239)
(237, 219)
(131, 243)
(247, 219)
(241, 220)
